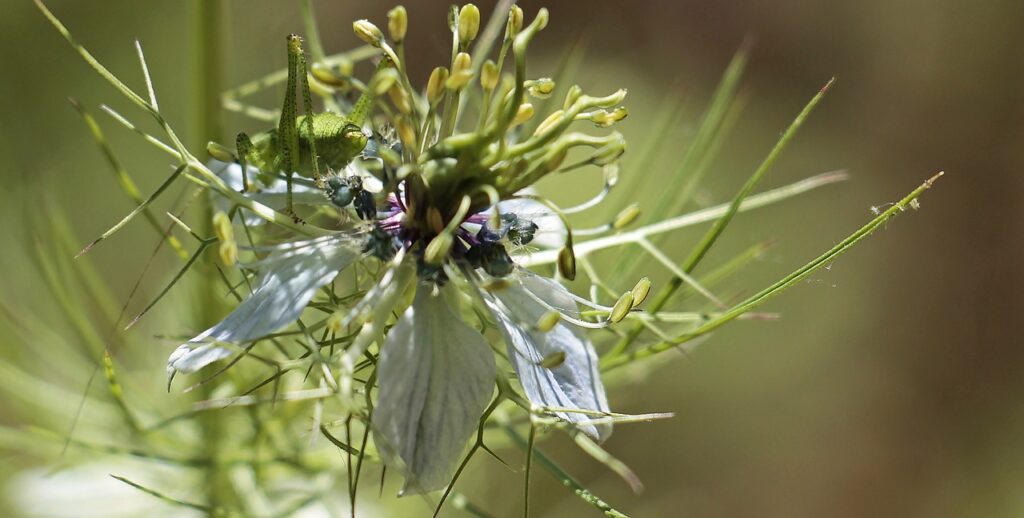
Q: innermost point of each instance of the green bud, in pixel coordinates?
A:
(219, 152)
(406, 133)
(435, 85)
(398, 23)
(469, 23)
(640, 291)
(400, 99)
(553, 360)
(548, 321)
(626, 216)
(228, 252)
(549, 122)
(542, 88)
(462, 72)
(621, 308)
(222, 226)
(573, 95)
(438, 248)
(383, 81)
(523, 114)
(489, 75)
(327, 76)
(567, 263)
(334, 322)
(368, 32)
(515, 22)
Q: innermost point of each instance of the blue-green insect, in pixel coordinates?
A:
(305, 144)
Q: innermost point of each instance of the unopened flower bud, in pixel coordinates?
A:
(334, 322)
(399, 98)
(515, 21)
(438, 248)
(228, 252)
(640, 291)
(219, 152)
(489, 75)
(398, 23)
(548, 321)
(553, 360)
(574, 93)
(542, 88)
(462, 71)
(523, 114)
(469, 23)
(621, 308)
(327, 76)
(406, 133)
(222, 226)
(434, 219)
(549, 122)
(368, 32)
(435, 85)
(626, 216)
(383, 81)
(567, 263)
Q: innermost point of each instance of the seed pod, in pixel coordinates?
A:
(640, 291)
(621, 308)
(398, 23)
(548, 321)
(469, 23)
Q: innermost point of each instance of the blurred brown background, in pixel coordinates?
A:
(892, 386)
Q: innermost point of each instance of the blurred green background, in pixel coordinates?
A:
(891, 386)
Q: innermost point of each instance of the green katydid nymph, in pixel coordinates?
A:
(304, 144)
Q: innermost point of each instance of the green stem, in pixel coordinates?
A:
(567, 479)
(207, 18)
(909, 201)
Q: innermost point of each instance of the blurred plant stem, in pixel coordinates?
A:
(205, 18)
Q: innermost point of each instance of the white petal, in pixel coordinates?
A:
(287, 282)
(550, 229)
(576, 383)
(436, 377)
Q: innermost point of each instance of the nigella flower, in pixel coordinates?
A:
(447, 213)
(436, 373)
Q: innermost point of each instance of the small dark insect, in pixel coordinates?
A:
(343, 191)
